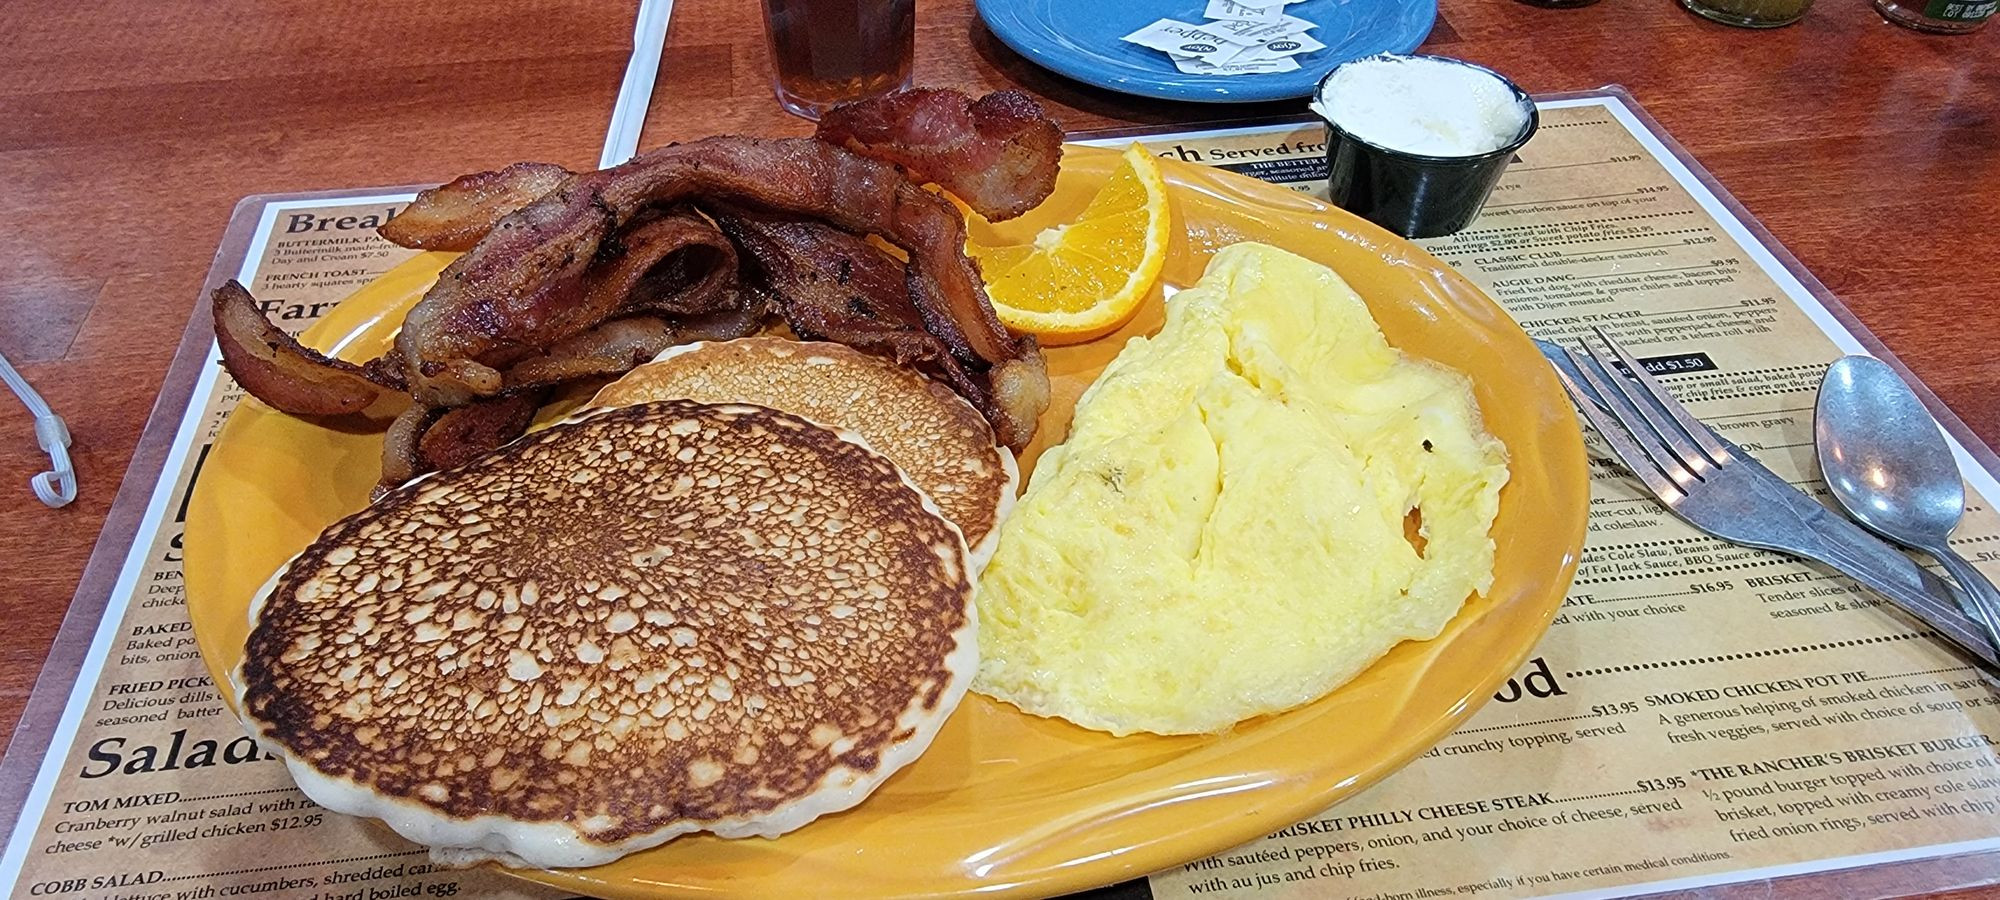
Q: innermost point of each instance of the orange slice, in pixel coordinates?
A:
(1082, 280)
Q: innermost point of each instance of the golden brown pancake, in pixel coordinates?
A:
(653, 620)
(939, 440)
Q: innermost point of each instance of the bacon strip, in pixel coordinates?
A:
(401, 460)
(533, 263)
(278, 370)
(830, 285)
(998, 153)
(455, 216)
(468, 432)
(538, 280)
(675, 264)
(608, 349)
(816, 180)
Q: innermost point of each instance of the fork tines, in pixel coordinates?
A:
(1655, 428)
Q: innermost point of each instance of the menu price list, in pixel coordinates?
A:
(1834, 796)
(1699, 710)
(360, 878)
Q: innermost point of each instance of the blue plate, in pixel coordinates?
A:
(1080, 39)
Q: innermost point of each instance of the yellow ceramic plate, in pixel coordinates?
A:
(1006, 802)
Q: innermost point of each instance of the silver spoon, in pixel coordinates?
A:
(1889, 467)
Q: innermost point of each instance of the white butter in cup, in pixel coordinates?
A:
(1422, 105)
(1416, 144)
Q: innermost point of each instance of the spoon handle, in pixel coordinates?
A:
(1985, 599)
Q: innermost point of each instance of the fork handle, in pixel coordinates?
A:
(1984, 605)
(1927, 598)
(1812, 531)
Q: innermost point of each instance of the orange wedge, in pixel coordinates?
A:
(1082, 280)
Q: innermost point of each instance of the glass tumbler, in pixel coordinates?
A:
(829, 52)
(1750, 13)
(1938, 16)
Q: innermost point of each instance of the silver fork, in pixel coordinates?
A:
(1718, 488)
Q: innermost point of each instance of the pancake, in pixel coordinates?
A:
(649, 621)
(938, 439)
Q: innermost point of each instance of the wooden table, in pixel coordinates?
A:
(129, 130)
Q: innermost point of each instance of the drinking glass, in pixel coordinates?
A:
(829, 52)
(1938, 16)
(1750, 13)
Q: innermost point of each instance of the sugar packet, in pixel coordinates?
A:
(1184, 39)
(1239, 10)
(1288, 46)
(1194, 66)
(1243, 38)
(1237, 31)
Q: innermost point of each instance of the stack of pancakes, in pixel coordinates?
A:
(936, 438)
(734, 596)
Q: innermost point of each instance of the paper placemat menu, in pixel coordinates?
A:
(1699, 712)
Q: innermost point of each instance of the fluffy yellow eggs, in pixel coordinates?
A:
(1252, 506)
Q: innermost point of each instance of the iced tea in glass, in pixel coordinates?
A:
(829, 52)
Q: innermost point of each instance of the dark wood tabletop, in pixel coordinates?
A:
(129, 130)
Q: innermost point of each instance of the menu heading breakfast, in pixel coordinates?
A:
(1700, 712)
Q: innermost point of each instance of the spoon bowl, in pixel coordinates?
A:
(1883, 455)
(1889, 467)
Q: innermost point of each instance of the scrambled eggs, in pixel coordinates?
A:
(1224, 533)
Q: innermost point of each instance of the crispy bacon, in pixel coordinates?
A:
(810, 178)
(608, 349)
(531, 284)
(673, 264)
(535, 259)
(474, 430)
(831, 285)
(401, 460)
(675, 267)
(276, 369)
(567, 276)
(998, 153)
(455, 216)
